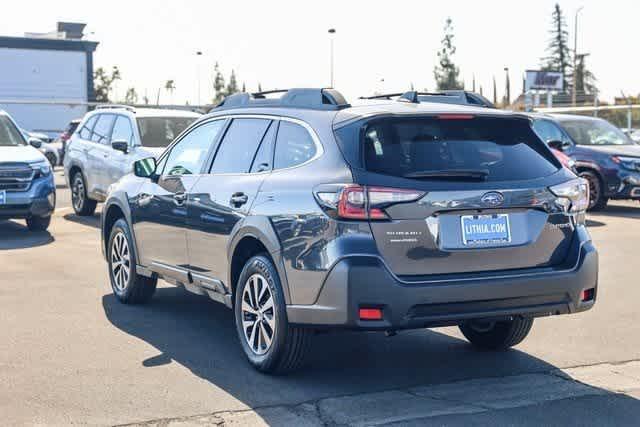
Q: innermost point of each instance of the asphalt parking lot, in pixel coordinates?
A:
(69, 353)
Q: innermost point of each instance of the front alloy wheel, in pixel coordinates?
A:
(120, 261)
(258, 314)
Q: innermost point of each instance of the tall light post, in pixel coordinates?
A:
(198, 55)
(575, 56)
(331, 32)
(508, 87)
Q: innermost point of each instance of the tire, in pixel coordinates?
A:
(38, 223)
(128, 286)
(255, 318)
(597, 199)
(52, 159)
(82, 204)
(497, 335)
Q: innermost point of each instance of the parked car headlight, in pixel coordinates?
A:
(573, 196)
(41, 168)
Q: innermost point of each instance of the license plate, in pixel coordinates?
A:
(482, 230)
(3, 197)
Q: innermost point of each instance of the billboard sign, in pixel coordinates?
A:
(543, 80)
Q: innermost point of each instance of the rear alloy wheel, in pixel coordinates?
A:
(82, 204)
(269, 342)
(128, 286)
(597, 200)
(496, 335)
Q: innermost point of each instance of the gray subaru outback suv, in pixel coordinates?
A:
(304, 213)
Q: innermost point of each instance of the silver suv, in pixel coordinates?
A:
(107, 143)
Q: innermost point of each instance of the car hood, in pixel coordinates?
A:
(151, 151)
(616, 150)
(21, 154)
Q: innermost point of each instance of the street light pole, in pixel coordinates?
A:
(575, 57)
(331, 32)
(198, 53)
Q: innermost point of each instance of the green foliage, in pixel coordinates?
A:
(131, 97)
(446, 72)
(103, 82)
(558, 54)
(218, 84)
(585, 80)
(232, 86)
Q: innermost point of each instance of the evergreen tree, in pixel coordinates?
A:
(232, 86)
(558, 54)
(585, 80)
(259, 87)
(131, 97)
(495, 92)
(218, 84)
(445, 72)
(244, 87)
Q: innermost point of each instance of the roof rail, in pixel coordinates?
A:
(114, 106)
(383, 96)
(315, 99)
(412, 95)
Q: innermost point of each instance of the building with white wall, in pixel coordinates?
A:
(46, 80)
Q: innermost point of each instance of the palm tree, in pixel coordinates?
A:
(170, 86)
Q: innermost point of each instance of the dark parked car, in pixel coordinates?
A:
(603, 154)
(304, 213)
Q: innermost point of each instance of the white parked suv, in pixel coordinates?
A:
(108, 141)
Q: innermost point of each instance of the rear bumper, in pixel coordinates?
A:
(39, 200)
(364, 281)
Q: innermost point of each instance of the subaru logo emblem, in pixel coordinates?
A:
(492, 199)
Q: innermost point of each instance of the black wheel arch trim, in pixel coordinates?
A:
(115, 200)
(261, 229)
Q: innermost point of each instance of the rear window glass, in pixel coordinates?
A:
(161, 131)
(499, 149)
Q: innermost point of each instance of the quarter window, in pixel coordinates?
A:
(548, 131)
(85, 132)
(294, 145)
(102, 129)
(264, 156)
(239, 145)
(190, 153)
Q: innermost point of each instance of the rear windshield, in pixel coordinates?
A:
(493, 149)
(160, 131)
(9, 134)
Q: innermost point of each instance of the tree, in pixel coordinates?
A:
(232, 86)
(259, 87)
(585, 80)
(446, 73)
(218, 84)
(558, 53)
(244, 87)
(495, 92)
(170, 86)
(103, 82)
(131, 97)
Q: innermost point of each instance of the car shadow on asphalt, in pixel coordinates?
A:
(200, 335)
(16, 235)
(615, 210)
(91, 221)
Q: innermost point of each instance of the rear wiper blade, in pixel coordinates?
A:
(479, 174)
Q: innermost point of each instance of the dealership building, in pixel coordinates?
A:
(46, 80)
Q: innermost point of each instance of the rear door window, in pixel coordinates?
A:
(548, 131)
(102, 129)
(239, 146)
(499, 149)
(85, 132)
(294, 145)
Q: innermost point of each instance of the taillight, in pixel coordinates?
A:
(573, 196)
(362, 202)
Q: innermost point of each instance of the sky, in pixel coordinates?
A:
(382, 46)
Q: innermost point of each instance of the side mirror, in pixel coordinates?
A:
(120, 145)
(35, 142)
(557, 145)
(145, 168)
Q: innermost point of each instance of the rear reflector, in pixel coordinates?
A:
(587, 295)
(370, 314)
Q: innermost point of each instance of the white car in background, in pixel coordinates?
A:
(107, 143)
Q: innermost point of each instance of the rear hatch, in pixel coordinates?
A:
(454, 194)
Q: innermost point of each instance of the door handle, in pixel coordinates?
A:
(144, 199)
(238, 199)
(180, 198)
